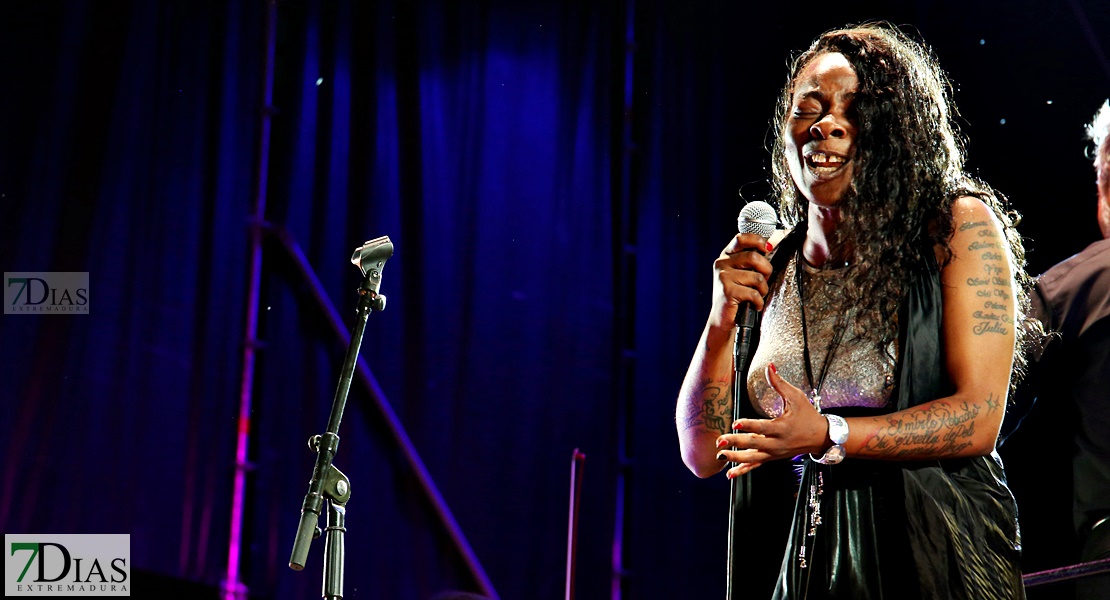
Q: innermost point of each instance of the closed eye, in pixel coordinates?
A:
(805, 114)
(808, 105)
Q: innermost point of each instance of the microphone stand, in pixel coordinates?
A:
(577, 464)
(756, 217)
(328, 484)
(740, 488)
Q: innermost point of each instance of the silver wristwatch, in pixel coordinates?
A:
(838, 433)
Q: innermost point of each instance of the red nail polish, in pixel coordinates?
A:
(769, 246)
(738, 426)
(774, 369)
(722, 443)
(729, 475)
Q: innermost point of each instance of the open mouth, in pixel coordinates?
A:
(823, 164)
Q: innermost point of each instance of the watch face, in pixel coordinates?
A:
(834, 455)
(838, 429)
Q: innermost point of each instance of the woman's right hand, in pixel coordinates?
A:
(704, 408)
(740, 275)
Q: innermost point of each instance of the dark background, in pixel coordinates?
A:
(557, 178)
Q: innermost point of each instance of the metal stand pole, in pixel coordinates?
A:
(577, 463)
(334, 550)
(740, 488)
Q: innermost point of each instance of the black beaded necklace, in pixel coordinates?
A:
(838, 334)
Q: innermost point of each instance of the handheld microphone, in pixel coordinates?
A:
(759, 218)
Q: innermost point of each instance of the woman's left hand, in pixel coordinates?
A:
(798, 430)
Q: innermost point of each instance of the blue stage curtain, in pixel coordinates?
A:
(486, 140)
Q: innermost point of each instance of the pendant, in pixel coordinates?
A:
(813, 512)
(815, 399)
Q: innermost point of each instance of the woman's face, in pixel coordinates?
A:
(821, 129)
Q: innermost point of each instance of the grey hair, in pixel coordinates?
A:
(1099, 128)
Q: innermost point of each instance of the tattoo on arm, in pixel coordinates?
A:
(711, 412)
(940, 430)
(993, 404)
(992, 286)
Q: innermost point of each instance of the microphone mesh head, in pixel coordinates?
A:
(758, 217)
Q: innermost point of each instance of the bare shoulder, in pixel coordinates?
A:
(969, 211)
(971, 219)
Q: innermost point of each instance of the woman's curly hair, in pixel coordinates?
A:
(909, 157)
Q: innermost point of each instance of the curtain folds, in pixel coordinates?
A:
(485, 139)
